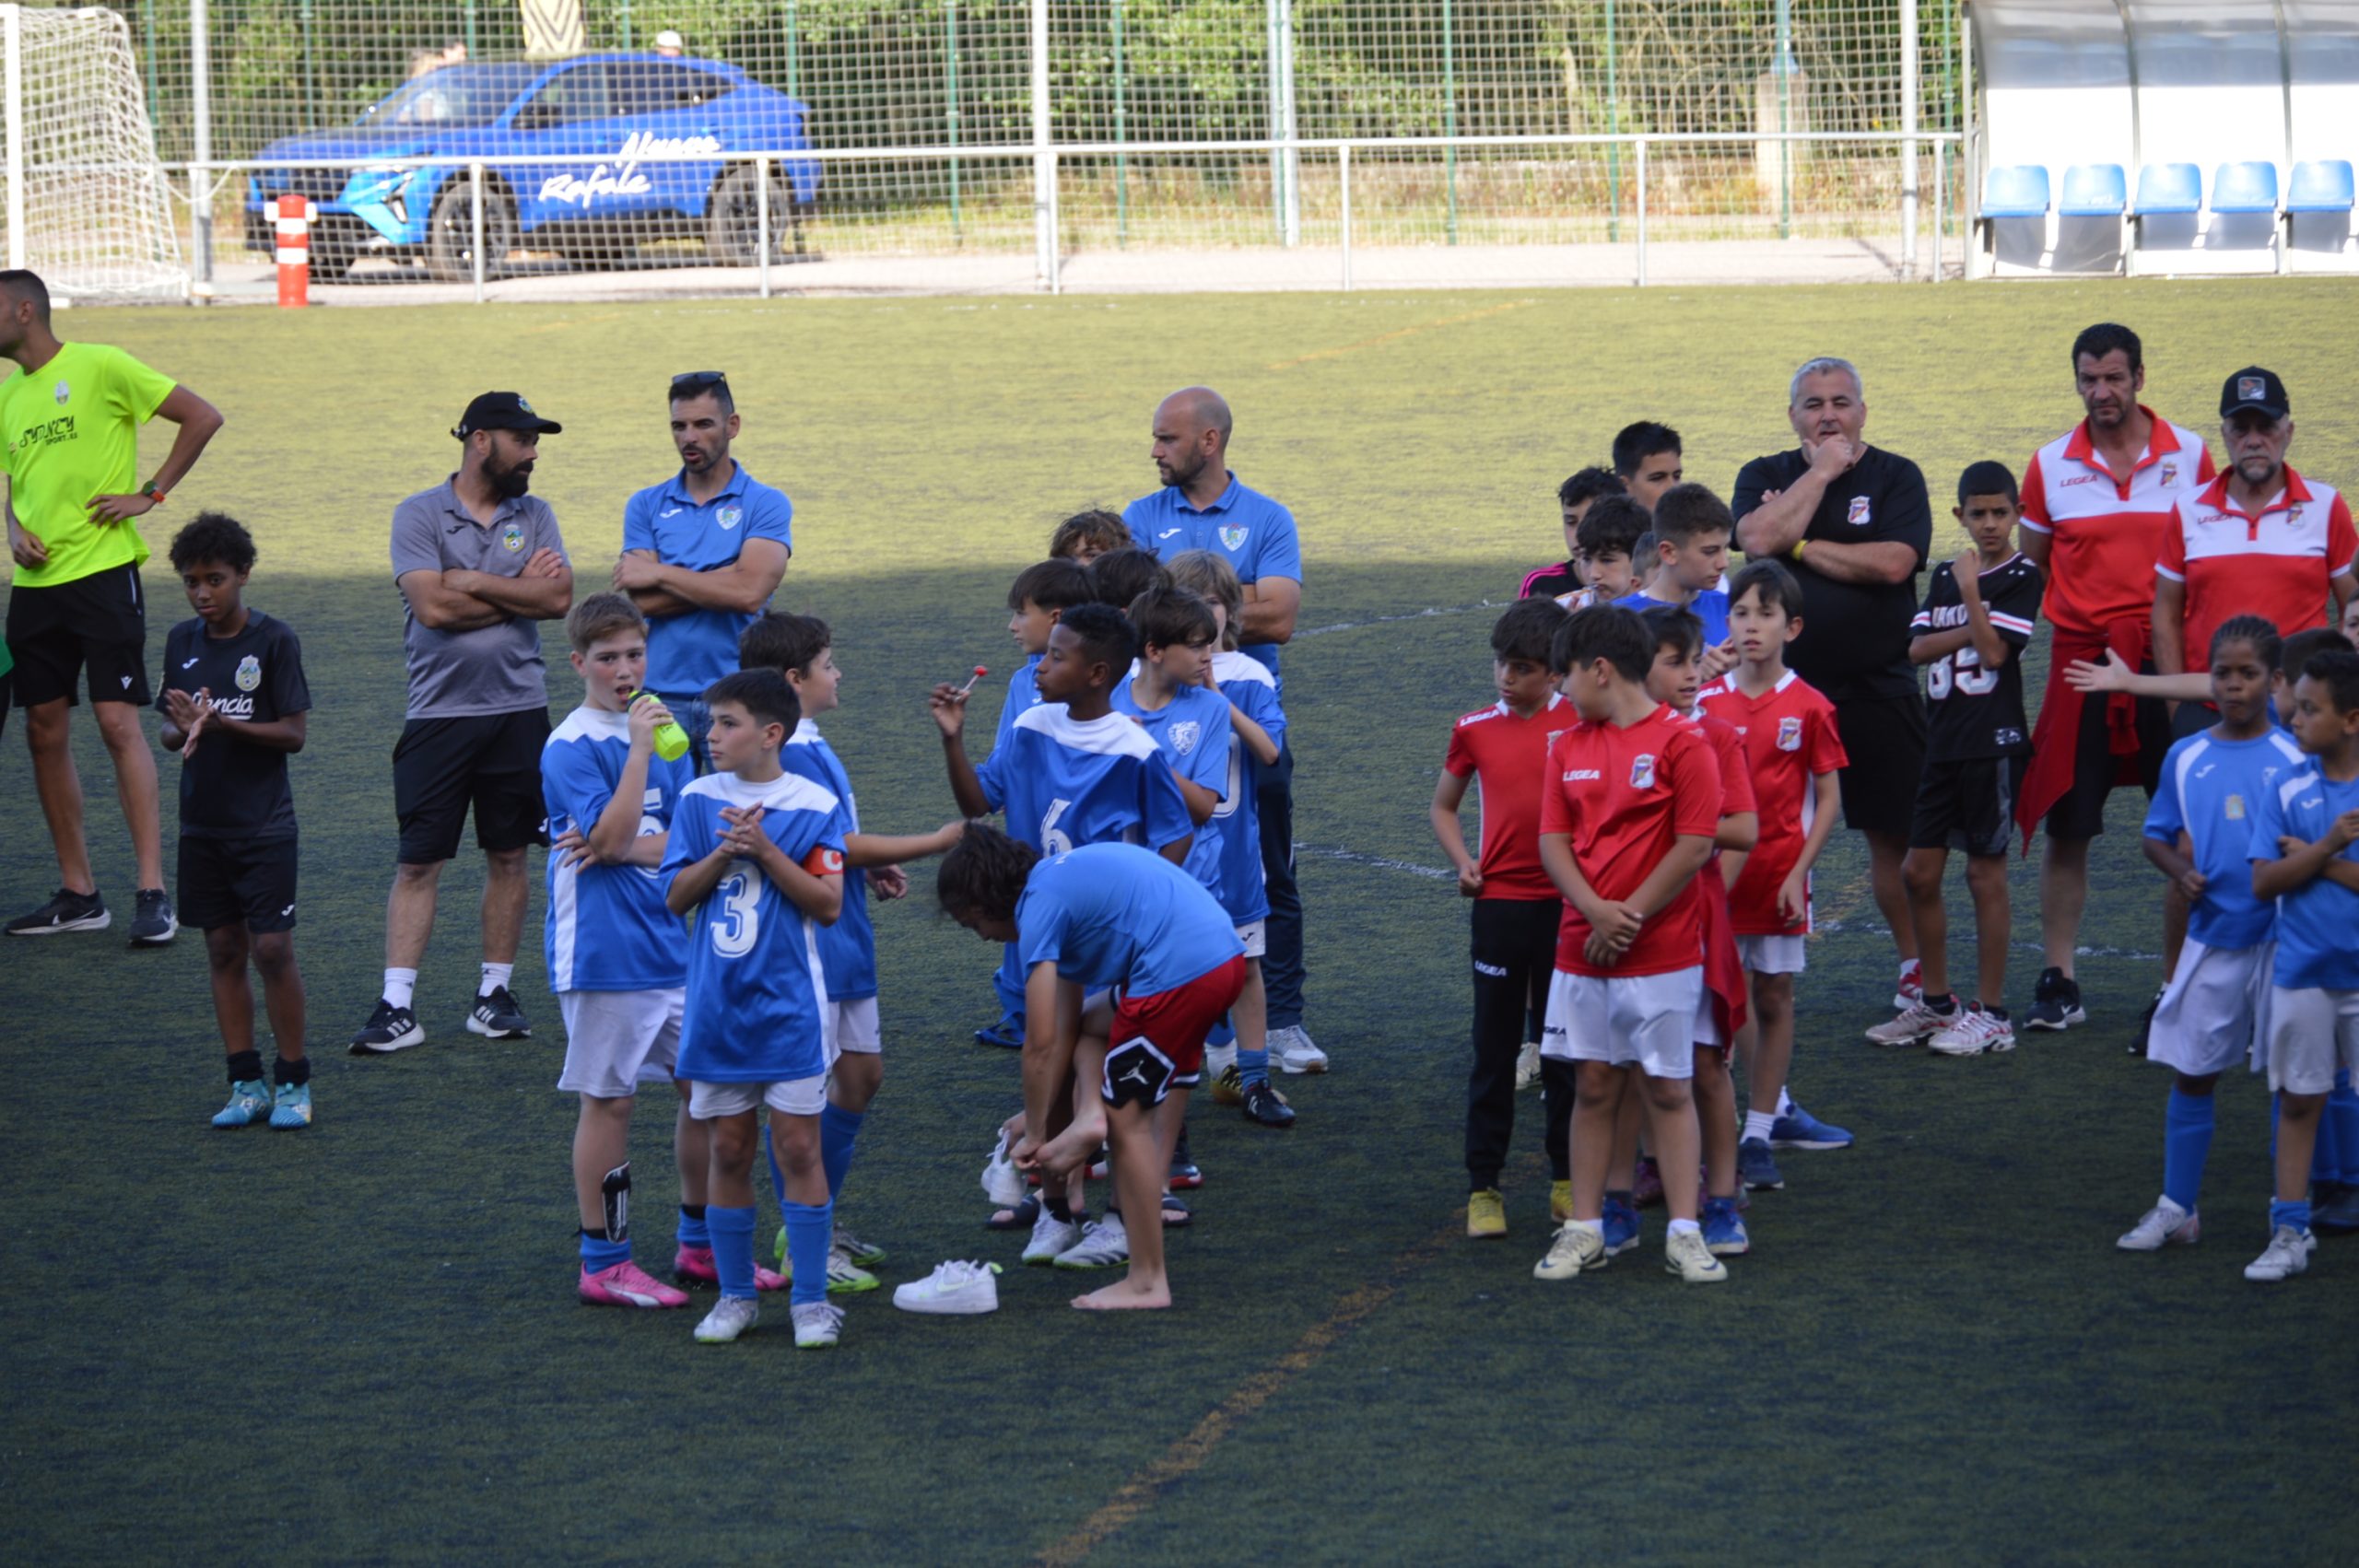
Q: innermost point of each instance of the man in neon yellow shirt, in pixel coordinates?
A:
(71, 420)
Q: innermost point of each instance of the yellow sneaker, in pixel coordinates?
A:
(1560, 1200)
(1486, 1215)
(1228, 1089)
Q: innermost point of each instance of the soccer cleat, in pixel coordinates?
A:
(1646, 1183)
(730, 1317)
(1918, 1024)
(1560, 1200)
(626, 1284)
(1756, 1170)
(1527, 1065)
(292, 1108)
(1724, 1234)
(152, 921)
(1975, 1033)
(693, 1266)
(249, 1103)
(1797, 1128)
(1002, 1182)
(1292, 1052)
(1575, 1248)
(1621, 1227)
(1008, 1033)
(1051, 1237)
(1228, 1089)
(2055, 1003)
(1685, 1253)
(64, 912)
(1103, 1243)
(2288, 1254)
(846, 1278)
(867, 1254)
(1265, 1107)
(1486, 1215)
(817, 1324)
(1911, 989)
(952, 1290)
(497, 1017)
(389, 1029)
(2165, 1224)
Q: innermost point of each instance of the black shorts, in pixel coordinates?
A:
(1885, 738)
(2081, 813)
(97, 624)
(489, 761)
(1968, 803)
(228, 881)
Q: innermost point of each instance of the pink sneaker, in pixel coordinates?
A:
(693, 1266)
(1646, 1188)
(626, 1284)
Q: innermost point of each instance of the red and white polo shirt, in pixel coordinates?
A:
(2275, 563)
(2105, 534)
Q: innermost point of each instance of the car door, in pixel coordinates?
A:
(570, 121)
(672, 108)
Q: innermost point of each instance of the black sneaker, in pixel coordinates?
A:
(389, 1029)
(497, 1017)
(1265, 1107)
(65, 912)
(152, 922)
(2138, 1041)
(2056, 1003)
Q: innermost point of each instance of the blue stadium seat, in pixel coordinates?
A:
(2324, 186)
(2015, 190)
(2166, 189)
(2245, 188)
(2094, 190)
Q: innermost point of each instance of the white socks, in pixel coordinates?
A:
(400, 985)
(494, 977)
(1757, 1125)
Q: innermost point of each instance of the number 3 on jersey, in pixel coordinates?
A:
(737, 921)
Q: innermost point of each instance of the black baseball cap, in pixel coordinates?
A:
(2255, 388)
(502, 411)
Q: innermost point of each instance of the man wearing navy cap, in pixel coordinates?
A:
(478, 562)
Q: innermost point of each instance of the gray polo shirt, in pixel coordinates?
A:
(494, 669)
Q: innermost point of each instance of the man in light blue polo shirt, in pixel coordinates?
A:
(702, 554)
(1203, 507)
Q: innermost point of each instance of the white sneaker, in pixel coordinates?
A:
(730, 1317)
(2288, 1255)
(1975, 1033)
(1050, 1236)
(1103, 1243)
(1685, 1253)
(1576, 1247)
(817, 1324)
(1002, 1182)
(2165, 1221)
(1291, 1051)
(1527, 1065)
(1915, 1023)
(952, 1290)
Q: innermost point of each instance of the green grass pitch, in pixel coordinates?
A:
(361, 1342)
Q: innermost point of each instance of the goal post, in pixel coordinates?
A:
(87, 204)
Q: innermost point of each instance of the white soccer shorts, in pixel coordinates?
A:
(2311, 1033)
(615, 1041)
(2209, 1017)
(794, 1096)
(1781, 954)
(1635, 1020)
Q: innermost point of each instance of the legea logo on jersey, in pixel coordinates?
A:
(1642, 771)
(513, 537)
(1184, 736)
(65, 393)
(1790, 734)
(730, 516)
(1582, 775)
(1858, 515)
(1234, 538)
(249, 675)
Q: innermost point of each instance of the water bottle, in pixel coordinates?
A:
(670, 740)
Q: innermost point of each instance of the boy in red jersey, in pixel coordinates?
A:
(1790, 739)
(1517, 910)
(1629, 810)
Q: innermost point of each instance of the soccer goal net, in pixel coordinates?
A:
(87, 206)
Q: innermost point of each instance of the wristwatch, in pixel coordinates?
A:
(153, 491)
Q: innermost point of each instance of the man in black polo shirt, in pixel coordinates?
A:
(1853, 523)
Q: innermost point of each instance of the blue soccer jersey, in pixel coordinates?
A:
(2212, 791)
(688, 651)
(757, 988)
(1064, 781)
(1255, 534)
(1023, 696)
(1194, 733)
(607, 929)
(1711, 607)
(1243, 889)
(1118, 915)
(848, 948)
(2314, 921)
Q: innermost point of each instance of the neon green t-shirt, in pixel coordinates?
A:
(73, 432)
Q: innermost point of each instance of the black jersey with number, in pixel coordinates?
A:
(232, 788)
(1979, 711)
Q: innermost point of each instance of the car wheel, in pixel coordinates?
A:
(451, 235)
(733, 219)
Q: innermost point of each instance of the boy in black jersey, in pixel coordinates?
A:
(1977, 619)
(234, 699)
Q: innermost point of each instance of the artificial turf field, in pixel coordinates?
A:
(361, 1341)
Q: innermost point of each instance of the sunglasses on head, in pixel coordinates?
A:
(698, 381)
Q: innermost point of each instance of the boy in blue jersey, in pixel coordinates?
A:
(2302, 840)
(618, 958)
(1039, 597)
(801, 648)
(757, 860)
(2198, 833)
(1690, 558)
(1128, 961)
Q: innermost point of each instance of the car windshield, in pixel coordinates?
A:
(452, 95)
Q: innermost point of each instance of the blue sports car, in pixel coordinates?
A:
(596, 119)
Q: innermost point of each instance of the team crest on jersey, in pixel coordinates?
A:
(1184, 736)
(2235, 808)
(2170, 474)
(513, 537)
(249, 672)
(1858, 515)
(1790, 734)
(1234, 538)
(730, 516)
(65, 393)
(1642, 771)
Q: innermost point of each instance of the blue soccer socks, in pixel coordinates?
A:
(810, 1230)
(2187, 1143)
(693, 1231)
(1252, 1067)
(838, 1131)
(732, 1248)
(598, 1253)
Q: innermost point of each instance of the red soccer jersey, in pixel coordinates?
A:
(1508, 757)
(2105, 534)
(1789, 740)
(1623, 796)
(2275, 565)
(1736, 768)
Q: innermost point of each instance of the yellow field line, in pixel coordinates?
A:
(1399, 333)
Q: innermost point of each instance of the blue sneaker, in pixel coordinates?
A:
(293, 1106)
(1724, 1229)
(1008, 1033)
(1621, 1227)
(1756, 1170)
(249, 1103)
(1799, 1129)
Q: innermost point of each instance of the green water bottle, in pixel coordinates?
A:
(670, 740)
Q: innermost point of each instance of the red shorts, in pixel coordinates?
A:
(1156, 1044)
